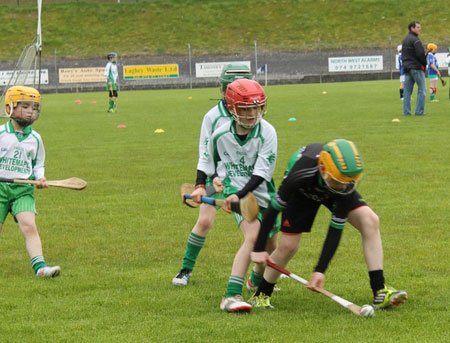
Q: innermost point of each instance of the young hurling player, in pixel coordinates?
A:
(111, 74)
(402, 71)
(322, 174)
(214, 118)
(22, 156)
(448, 63)
(433, 70)
(243, 152)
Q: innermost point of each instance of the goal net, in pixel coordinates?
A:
(27, 71)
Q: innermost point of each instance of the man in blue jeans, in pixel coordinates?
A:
(414, 63)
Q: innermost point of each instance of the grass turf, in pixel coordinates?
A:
(120, 241)
(162, 27)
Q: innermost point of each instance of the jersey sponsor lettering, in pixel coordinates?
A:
(240, 169)
(14, 164)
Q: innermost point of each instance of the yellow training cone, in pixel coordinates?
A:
(396, 120)
(159, 131)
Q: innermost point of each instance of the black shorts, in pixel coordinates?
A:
(300, 213)
(113, 95)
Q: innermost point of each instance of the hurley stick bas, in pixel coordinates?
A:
(355, 309)
(72, 183)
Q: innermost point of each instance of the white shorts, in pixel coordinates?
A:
(402, 78)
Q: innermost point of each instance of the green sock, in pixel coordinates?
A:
(255, 278)
(37, 263)
(431, 97)
(111, 104)
(235, 284)
(194, 245)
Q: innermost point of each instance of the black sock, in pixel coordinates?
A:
(376, 280)
(265, 287)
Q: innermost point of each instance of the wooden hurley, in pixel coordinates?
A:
(72, 183)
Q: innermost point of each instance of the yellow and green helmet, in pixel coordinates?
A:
(340, 165)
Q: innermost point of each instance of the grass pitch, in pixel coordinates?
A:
(162, 27)
(121, 240)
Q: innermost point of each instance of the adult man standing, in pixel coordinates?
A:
(414, 63)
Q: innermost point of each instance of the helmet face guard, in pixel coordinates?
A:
(340, 166)
(30, 101)
(246, 101)
(248, 115)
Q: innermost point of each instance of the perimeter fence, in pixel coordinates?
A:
(193, 71)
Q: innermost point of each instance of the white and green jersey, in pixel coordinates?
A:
(111, 73)
(216, 117)
(22, 154)
(235, 161)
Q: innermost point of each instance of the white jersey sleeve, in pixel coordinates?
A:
(38, 169)
(215, 117)
(267, 155)
(107, 70)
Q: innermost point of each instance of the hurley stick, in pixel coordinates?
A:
(188, 188)
(72, 183)
(355, 309)
(247, 207)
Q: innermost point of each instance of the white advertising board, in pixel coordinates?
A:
(213, 69)
(355, 63)
(5, 76)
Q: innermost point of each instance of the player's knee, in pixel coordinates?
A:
(371, 223)
(271, 244)
(250, 237)
(28, 228)
(288, 248)
(205, 223)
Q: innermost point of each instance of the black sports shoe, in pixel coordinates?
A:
(182, 278)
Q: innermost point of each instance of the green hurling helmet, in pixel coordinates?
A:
(232, 72)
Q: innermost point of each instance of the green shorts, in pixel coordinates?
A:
(433, 77)
(276, 226)
(16, 198)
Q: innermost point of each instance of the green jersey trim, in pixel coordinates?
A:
(216, 157)
(20, 136)
(276, 205)
(255, 132)
(223, 114)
